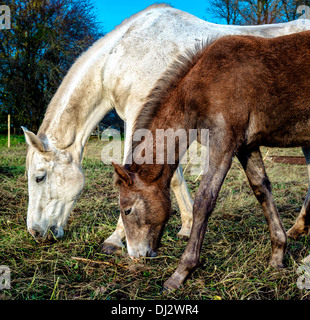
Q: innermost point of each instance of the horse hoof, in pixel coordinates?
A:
(109, 248)
(166, 291)
(170, 286)
(276, 265)
(183, 237)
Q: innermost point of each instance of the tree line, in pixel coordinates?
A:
(47, 36)
(256, 12)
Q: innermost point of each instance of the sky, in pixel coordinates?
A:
(112, 12)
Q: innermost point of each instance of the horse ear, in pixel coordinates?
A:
(123, 174)
(33, 140)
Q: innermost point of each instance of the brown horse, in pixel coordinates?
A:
(249, 92)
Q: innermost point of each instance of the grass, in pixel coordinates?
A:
(15, 140)
(235, 253)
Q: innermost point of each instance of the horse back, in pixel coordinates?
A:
(260, 87)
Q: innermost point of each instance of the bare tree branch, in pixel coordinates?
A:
(46, 37)
(255, 12)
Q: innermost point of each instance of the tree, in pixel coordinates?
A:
(255, 12)
(227, 10)
(45, 38)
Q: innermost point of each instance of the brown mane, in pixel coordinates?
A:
(169, 80)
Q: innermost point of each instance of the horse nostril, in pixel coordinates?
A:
(36, 233)
(54, 231)
(151, 254)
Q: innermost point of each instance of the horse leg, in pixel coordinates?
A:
(179, 187)
(253, 165)
(115, 241)
(204, 204)
(301, 226)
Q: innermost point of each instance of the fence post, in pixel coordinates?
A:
(9, 130)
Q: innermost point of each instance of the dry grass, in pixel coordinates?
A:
(235, 252)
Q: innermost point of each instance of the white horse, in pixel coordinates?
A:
(118, 71)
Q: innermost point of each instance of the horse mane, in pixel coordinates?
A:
(170, 80)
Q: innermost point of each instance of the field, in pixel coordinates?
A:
(235, 253)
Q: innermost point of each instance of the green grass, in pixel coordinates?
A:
(235, 253)
(15, 140)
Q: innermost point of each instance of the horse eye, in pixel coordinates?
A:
(127, 211)
(40, 179)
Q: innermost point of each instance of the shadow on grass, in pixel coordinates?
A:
(12, 171)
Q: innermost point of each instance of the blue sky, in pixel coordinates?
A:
(111, 13)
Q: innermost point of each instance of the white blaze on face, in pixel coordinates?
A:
(54, 183)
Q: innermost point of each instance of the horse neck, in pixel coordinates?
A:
(74, 112)
(81, 101)
(171, 119)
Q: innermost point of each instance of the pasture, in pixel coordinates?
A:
(235, 253)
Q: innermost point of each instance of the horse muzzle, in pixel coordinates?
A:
(48, 235)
